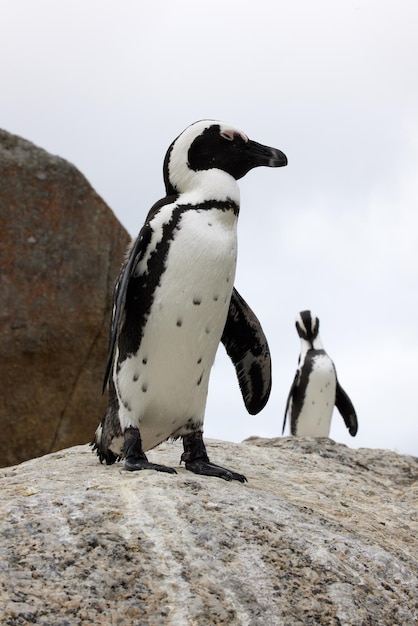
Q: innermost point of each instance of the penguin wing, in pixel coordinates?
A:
(247, 347)
(119, 295)
(346, 408)
(290, 399)
(134, 256)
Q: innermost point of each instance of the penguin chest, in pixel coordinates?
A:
(314, 419)
(165, 383)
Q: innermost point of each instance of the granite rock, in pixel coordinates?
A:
(61, 250)
(320, 534)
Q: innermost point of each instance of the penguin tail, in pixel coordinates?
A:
(106, 456)
(101, 445)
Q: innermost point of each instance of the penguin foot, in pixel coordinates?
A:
(196, 460)
(135, 458)
(210, 469)
(134, 465)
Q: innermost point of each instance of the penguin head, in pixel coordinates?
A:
(307, 326)
(208, 147)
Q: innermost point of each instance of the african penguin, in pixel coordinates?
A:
(315, 389)
(175, 300)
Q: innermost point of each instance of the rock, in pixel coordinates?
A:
(61, 251)
(321, 534)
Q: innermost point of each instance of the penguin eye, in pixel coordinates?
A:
(229, 135)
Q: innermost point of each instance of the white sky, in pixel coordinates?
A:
(108, 84)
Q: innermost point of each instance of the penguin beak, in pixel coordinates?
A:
(260, 155)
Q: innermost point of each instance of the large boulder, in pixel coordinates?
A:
(61, 249)
(320, 534)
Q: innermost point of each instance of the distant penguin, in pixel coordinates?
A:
(175, 301)
(315, 389)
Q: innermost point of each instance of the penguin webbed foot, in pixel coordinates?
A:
(197, 461)
(205, 468)
(134, 465)
(135, 458)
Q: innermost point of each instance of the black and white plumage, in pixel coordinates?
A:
(175, 301)
(315, 389)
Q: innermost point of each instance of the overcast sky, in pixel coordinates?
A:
(108, 84)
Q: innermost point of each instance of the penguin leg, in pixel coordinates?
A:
(135, 458)
(196, 459)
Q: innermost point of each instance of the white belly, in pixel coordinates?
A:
(163, 388)
(315, 417)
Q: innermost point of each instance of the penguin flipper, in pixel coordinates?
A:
(290, 400)
(134, 256)
(346, 408)
(119, 295)
(247, 347)
(285, 417)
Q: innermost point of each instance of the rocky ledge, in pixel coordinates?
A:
(320, 534)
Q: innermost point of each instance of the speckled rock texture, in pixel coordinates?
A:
(61, 250)
(320, 534)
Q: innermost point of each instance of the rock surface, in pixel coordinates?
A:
(61, 250)
(321, 534)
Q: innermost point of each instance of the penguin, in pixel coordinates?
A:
(315, 389)
(175, 301)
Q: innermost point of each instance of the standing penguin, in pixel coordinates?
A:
(315, 389)
(174, 302)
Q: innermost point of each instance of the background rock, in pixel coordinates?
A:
(61, 250)
(321, 534)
